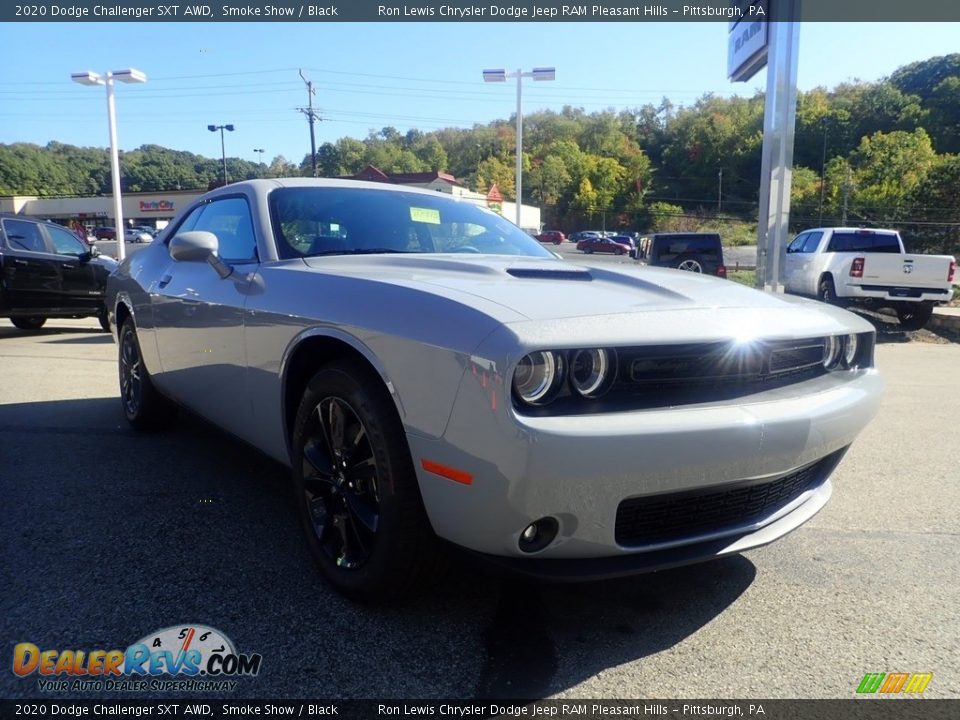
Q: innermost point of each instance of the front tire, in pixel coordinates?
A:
(28, 323)
(144, 407)
(914, 316)
(356, 490)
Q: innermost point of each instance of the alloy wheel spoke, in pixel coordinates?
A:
(318, 459)
(333, 421)
(362, 514)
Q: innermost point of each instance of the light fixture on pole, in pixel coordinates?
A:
(261, 151)
(500, 75)
(223, 147)
(128, 75)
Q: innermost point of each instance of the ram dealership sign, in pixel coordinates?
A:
(747, 40)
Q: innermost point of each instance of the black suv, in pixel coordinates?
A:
(47, 271)
(696, 252)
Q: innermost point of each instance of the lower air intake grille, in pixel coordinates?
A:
(664, 518)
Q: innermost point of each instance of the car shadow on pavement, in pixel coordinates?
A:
(12, 332)
(102, 339)
(112, 534)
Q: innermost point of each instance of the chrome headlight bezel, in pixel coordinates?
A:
(546, 370)
(599, 366)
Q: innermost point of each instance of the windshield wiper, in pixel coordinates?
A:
(361, 251)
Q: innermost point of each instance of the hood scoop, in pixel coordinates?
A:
(549, 274)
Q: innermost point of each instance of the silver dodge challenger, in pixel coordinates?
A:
(431, 373)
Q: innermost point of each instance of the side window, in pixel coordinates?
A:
(188, 224)
(229, 219)
(813, 240)
(23, 235)
(797, 244)
(65, 243)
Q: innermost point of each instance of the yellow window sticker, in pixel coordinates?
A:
(425, 215)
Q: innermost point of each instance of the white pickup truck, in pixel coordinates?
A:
(842, 265)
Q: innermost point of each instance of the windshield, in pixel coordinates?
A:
(315, 221)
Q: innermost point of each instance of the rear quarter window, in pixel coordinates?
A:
(864, 242)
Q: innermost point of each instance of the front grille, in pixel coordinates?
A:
(664, 518)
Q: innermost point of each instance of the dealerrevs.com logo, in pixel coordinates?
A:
(184, 657)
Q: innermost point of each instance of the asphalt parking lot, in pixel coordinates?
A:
(108, 535)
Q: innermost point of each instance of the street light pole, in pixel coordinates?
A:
(823, 168)
(538, 75)
(128, 75)
(261, 151)
(223, 147)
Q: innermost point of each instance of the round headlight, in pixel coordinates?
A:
(536, 376)
(589, 370)
(831, 352)
(850, 347)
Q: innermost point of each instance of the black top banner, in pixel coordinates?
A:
(465, 11)
(181, 708)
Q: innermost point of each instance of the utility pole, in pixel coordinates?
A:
(823, 167)
(720, 190)
(311, 118)
(846, 195)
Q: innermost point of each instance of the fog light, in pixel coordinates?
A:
(537, 535)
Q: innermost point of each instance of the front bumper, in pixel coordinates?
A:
(579, 469)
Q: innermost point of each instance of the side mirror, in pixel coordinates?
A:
(194, 246)
(198, 246)
(94, 251)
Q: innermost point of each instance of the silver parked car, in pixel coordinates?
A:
(417, 362)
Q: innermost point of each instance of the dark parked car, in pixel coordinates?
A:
(47, 271)
(604, 245)
(695, 252)
(551, 236)
(105, 233)
(585, 235)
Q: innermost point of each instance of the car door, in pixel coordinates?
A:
(31, 272)
(807, 275)
(199, 317)
(791, 263)
(78, 280)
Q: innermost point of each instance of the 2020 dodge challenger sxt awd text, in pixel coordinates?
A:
(429, 371)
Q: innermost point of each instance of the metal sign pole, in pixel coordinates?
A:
(779, 120)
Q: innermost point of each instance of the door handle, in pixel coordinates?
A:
(164, 281)
(17, 261)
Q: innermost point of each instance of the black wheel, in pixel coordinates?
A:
(827, 292)
(104, 320)
(588, 251)
(689, 263)
(356, 490)
(28, 323)
(144, 407)
(914, 316)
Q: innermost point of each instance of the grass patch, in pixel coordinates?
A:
(744, 277)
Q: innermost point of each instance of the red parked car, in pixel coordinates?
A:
(603, 245)
(554, 236)
(105, 233)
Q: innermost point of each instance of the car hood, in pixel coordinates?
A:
(516, 290)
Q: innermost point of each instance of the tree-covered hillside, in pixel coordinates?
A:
(887, 151)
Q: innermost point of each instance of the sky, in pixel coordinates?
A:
(371, 75)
